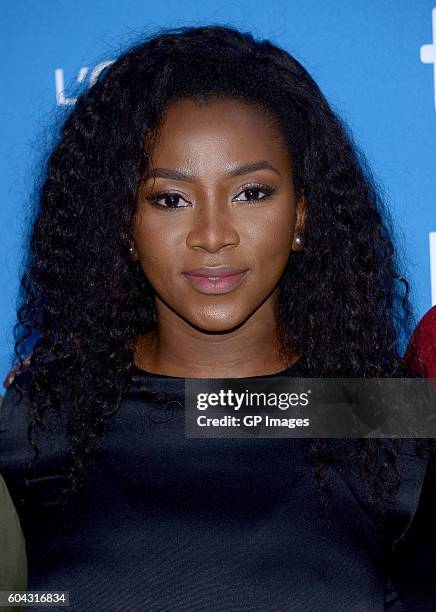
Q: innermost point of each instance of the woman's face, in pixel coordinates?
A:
(219, 195)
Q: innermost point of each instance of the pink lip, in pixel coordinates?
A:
(223, 284)
(214, 271)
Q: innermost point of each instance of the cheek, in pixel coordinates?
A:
(156, 248)
(157, 260)
(271, 242)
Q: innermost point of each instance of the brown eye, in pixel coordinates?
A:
(169, 200)
(253, 191)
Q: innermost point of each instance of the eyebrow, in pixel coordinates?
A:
(240, 170)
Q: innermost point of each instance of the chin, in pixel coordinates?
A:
(216, 323)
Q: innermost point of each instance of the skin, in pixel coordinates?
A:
(218, 223)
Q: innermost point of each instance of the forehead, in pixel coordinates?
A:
(226, 127)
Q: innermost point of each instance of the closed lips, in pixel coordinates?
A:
(215, 273)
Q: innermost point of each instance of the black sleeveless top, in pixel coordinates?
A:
(169, 523)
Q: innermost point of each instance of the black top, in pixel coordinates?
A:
(169, 523)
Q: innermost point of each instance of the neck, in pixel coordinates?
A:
(176, 348)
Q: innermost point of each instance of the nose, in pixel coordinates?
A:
(212, 227)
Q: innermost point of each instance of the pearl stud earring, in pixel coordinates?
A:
(298, 242)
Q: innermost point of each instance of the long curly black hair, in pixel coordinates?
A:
(342, 301)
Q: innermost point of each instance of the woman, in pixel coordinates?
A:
(13, 561)
(421, 350)
(206, 215)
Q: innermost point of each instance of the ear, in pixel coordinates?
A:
(300, 225)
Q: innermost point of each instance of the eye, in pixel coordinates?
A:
(252, 193)
(171, 200)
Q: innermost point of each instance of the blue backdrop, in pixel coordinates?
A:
(374, 59)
